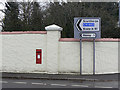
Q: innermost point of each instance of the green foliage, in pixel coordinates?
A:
(62, 14)
(36, 17)
(11, 21)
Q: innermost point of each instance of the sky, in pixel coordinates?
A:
(2, 7)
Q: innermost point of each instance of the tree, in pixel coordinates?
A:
(25, 15)
(36, 17)
(31, 16)
(64, 13)
(11, 20)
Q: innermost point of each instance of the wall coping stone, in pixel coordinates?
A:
(25, 32)
(64, 39)
(89, 40)
(53, 28)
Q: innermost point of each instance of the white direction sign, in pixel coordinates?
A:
(88, 24)
(89, 35)
(87, 27)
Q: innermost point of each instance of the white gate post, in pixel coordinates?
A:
(53, 36)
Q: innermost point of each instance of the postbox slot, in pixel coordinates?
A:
(38, 56)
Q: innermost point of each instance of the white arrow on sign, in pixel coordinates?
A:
(78, 25)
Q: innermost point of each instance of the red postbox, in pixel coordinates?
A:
(38, 56)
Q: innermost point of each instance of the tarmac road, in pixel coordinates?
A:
(40, 83)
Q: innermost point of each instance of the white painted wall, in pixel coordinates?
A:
(19, 54)
(69, 57)
(0, 53)
(52, 51)
(0, 61)
(106, 57)
(87, 58)
(53, 36)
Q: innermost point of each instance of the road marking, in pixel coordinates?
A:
(102, 87)
(79, 85)
(39, 83)
(3, 82)
(20, 82)
(77, 78)
(91, 79)
(58, 84)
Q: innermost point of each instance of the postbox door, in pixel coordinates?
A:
(38, 56)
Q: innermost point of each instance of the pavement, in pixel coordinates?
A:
(101, 77)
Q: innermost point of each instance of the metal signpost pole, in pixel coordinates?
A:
(80, 56)
(87, 28)
(93, 56)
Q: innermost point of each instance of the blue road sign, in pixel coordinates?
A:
(88, 24)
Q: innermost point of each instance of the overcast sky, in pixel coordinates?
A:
(1, 8)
